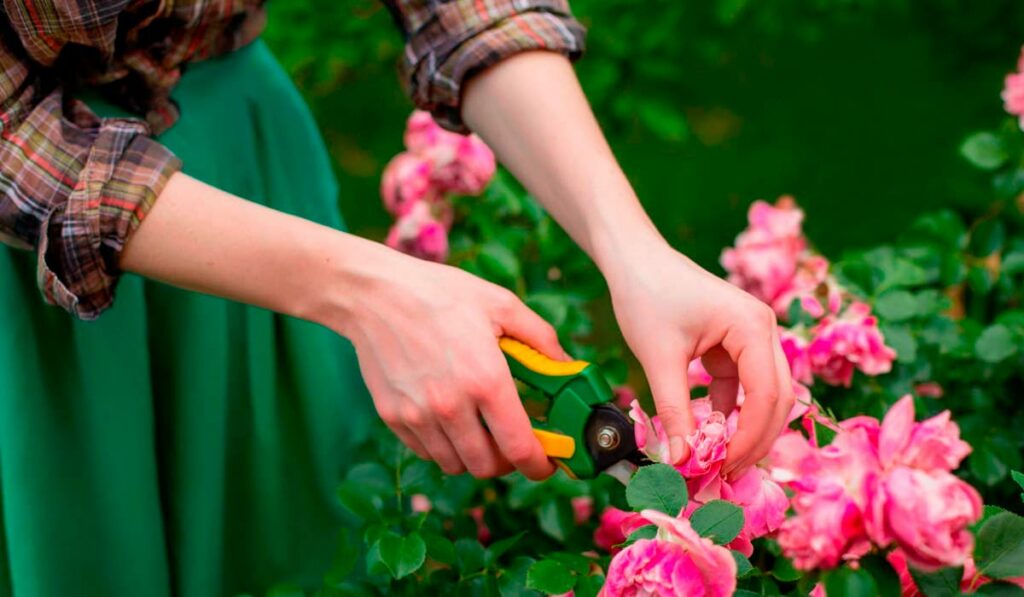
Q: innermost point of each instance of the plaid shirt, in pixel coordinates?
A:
(74, 186)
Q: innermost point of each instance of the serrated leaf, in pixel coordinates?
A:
(743, 566)
(718, 520)
(658, 487)
(999, 550)
(941, 583)
(551, 577)
(371, 477)
(400, 556)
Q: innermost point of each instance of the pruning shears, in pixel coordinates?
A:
(582, 430)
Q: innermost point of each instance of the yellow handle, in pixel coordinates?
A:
(556, 445)
(537, 362)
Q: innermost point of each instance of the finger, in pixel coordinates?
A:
(725, 383)
(441, 450)
(475, 447)
(408, 438)
(510, 427)
(666, 374)
(750, 347)
(520, 322)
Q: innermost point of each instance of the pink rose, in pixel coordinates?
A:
(651, 438)
(420, 234)
(926, 514)
(421, 132)
(460, 164)
(420, 503)
(931, 445)
(794, 346)
(828, 528)
(703, 468)
(764, 503)
(929, 389)
(1013, 91)
(614, 527)
(582, 508)
(678, 562)
(850, 340)
(405, 182)
(624, 396)
(483, 532)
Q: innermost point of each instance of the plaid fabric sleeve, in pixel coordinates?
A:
(448, 41)
(73, 186)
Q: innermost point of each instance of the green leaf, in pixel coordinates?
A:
(995, 344)
(1019, 478)
(1000, 589)
(400, 556)
(885, 576)
(718, 520)
(987, 237)
(372, 477)
(470, 555)
(555, 518)
(498, 262)
(439, 548)
(356, 500)
(941, 583)
(902, 340)
(783, 570)
(743, 566)
(512, 580)
(498, 548)
(850, 583)
(824, 434)
(420, 476)
(999, 551)
(574, 561)
(984, 150)
(664, 120)
(588, 585)
(896, 305)
(551, 577)
(658, 487)
(648, 531)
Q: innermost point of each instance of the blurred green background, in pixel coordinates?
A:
(855, 107)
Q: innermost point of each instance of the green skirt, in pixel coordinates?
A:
(181, 444)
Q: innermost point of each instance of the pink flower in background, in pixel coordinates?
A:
(462, 164)
(420, 234)
(405, 182)
(795, 348)
(827, 529)
(926, 514)
(1013, 91)
(614, 527)
(678, 562)
(421, 132)
(420, 503)
(483, 532)
(651, 438)
(764, 503)
(582, 508)
(624, 396)
(929, 389)
(850, 340)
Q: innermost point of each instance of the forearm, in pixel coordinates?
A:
(532, 112)
(203, 239)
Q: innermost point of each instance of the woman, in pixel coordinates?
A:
(190, 444)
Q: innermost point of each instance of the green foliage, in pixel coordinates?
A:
(657, 487)
(1000, 549)
(718, 520)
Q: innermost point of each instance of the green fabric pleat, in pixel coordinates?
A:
(181, 444)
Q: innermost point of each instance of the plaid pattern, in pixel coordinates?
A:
(73, 186)
(450, 40)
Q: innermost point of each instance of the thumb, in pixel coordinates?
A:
(524, 325)
(666, 374)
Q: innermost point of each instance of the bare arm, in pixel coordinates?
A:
(531, 111)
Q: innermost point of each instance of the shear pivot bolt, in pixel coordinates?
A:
(607, 438)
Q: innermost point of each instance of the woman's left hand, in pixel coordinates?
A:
(672, 311)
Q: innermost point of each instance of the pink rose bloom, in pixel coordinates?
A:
(931, 445)
(420, 503)
(678, 562)
(483, 532)
(1013, 91)
(405, 182)
(421, 132)
(765, 259)
(764, 503)
(614, 527)
(651, 438)
(795, 348)
(929, 389)
(847, 341)
(420, 234)
(460, 164)
(926, 514)
(703, 468)
(582, 508)
(811, 273)
(828, 528)
(624, 397)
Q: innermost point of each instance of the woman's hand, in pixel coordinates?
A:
(427, 340)
(671, 311)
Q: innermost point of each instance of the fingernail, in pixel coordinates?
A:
(675, 449)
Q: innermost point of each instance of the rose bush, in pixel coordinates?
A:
(894, 476)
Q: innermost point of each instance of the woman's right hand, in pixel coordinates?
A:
(427, 339)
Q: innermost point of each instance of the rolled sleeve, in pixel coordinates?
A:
(73, 187)
(449, 41)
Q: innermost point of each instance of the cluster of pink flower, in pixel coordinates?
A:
(772, 261)
(877, 485)
(1013, 91)
(416, 183)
